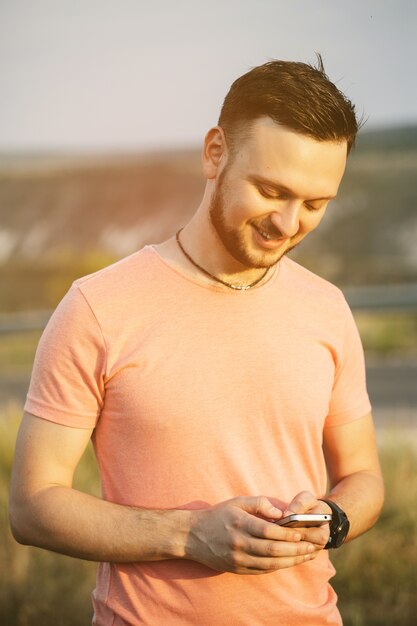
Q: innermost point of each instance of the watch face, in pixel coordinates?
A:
(341, 533)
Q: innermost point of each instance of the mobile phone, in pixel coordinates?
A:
(304, 519)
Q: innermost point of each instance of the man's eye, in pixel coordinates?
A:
(310, 207)
(267, 193)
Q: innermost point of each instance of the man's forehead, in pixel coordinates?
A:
(300, 162)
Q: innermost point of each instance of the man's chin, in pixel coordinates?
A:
(268, 259)
(264, 262)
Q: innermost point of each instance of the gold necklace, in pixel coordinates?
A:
(219, 280)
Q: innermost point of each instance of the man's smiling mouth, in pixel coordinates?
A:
(266, 235)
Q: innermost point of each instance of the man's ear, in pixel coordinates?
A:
(214, 151)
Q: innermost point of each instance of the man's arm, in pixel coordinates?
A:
(356, 482)
(47, 512)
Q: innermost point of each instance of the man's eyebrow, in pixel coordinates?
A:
(256, 178)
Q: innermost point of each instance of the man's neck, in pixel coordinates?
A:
(201, 243)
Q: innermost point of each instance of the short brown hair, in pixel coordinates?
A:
(297, 95)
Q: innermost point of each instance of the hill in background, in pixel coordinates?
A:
(63, 215)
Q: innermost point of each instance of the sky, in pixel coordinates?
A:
(130, 75)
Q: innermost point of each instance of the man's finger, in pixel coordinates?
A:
(277, 549)
(259, 565)
(303, 502)
(318, 535)
(260, 506)
(262, 529)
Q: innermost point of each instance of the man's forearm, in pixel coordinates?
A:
(235, 536)
(361, 496)
(64, 520)
(356, 482)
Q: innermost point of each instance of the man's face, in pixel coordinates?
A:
(274, 192)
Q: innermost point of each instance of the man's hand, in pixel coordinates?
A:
(238, 536)
(305, 502)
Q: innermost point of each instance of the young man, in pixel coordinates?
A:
(220, 383)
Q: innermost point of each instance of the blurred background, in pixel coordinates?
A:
(103, 108)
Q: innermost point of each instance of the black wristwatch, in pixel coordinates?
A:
(339, 526)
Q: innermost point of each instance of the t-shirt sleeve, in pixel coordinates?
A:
(349, 399)
(67, 382)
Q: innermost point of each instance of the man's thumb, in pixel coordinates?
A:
(261, 506)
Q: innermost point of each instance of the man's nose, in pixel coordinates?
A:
(287, 219)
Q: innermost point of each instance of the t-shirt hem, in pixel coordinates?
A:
(348, 416)
(52, 414)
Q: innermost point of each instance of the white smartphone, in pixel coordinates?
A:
(304, 519)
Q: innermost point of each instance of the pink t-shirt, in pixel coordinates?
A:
(198, 395)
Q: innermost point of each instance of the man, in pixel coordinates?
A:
(218, 380)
